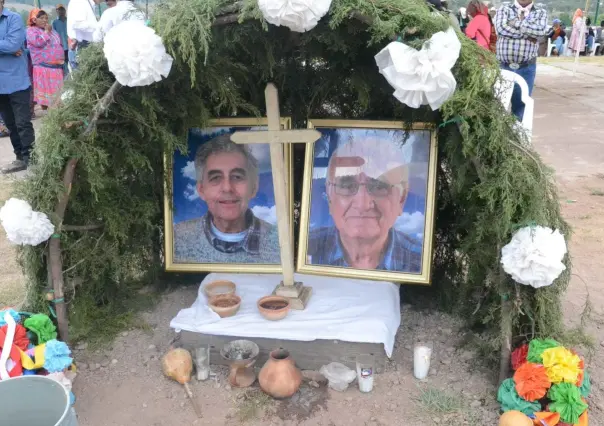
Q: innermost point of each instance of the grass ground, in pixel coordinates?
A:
(12, 283)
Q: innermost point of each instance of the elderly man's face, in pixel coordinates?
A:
(365, 208)
(227, 187)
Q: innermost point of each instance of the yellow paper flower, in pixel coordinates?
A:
(561, 365)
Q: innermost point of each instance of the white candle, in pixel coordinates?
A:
(421, 361)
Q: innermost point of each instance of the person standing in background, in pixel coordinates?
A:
(47, 57)
(463, 19)
(479, 27)
(60, 26)
(81, 25)
(519, 26)
(124, 10)
(600, 38)
(577, 36)
(15, 88)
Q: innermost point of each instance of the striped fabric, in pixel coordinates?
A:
(517, 39)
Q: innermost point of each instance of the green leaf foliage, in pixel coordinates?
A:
(489, 183)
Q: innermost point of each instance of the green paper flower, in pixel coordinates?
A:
(566, 401)
(510, 400)
(585, 388)
(41, 326)
(536, 348)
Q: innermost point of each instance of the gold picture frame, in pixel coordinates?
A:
(170, 264)
(303, 264)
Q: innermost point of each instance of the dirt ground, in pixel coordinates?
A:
(122, 384)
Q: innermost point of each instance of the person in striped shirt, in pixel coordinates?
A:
(519, 26)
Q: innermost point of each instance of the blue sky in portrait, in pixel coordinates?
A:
(415, 149)
(188, 205)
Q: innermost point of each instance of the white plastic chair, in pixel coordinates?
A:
(504, 88)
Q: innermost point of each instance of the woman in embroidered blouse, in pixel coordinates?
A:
(47, 57)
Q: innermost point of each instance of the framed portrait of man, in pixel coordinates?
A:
(368, 201)
(222, 214)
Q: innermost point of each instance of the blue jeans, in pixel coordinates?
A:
(528, 73)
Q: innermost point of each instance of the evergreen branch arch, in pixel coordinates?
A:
(487, 186)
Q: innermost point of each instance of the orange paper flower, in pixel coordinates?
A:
(531, 381)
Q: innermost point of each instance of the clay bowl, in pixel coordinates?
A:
(273, 308)
(225, 305)
(214, 288)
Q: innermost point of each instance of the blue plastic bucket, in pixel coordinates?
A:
(35, 401)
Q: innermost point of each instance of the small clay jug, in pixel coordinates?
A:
(280, 378)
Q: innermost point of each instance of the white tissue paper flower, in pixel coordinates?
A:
(23, 225)
(534, 256)
(136, 55)
(421, 77)
(297, 15)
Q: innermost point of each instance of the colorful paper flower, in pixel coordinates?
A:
(531, 381)
(519, 356)
(56, 356)
(510, 400)
(561, 365)
(566, 400)
(585, 387)
(536, 348)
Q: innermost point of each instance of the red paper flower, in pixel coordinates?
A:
(519, 356)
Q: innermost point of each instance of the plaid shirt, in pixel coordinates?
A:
(403, 254)
(517, 40)
(251, 242)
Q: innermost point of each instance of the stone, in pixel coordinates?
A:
(349, 398)
(227, 387)
(105, 363)
(217, 385)
(447, 331)
(602, 343)
(82, 366)
(133, 370)
(314, 376)
(476, 403)
(445, 361)
(436, 420)
(182, 404)
(314, 384)
(125, 333)
(392, 407)
(144, 405)
(151, 347)
(81, 346)
(114, 361)
(97, 366)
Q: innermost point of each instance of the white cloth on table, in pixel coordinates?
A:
(339, 309)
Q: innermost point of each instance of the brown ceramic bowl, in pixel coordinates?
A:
(215, 288)
(225, 305)
(273, 308)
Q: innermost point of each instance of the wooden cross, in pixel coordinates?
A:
(275, 137)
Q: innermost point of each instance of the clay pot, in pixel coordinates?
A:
(217, 287)
(225, 305)
(280, 378)
(273, 308)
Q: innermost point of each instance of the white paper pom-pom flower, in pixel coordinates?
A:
(136, 55)
(534, 256)
(297, 15)
(67, 95)
(23, 225)
(421, 77)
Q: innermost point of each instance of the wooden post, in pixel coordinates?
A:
(295, 291)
